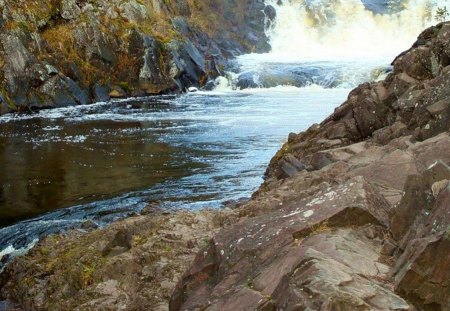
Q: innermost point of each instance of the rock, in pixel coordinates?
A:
(421, 272)
(59, 92)
(117, 92)
(89, 225)
(51, 71)
(413, 99)
(270, 12)
(94, 45)
(423, 278)
(77, 92)
(68, 270)
(438, 187)
(389, 247)
(246, 80)
(70, 9)
(282, 254)
(291, 165)
(416, 205)
(271, 78)
(121, 243)
(101, 93)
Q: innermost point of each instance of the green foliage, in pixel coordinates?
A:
(441, 14)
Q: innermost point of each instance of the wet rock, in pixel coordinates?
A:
(271, 78)
(383, 6)
(101, 93)
(270, 12)
(246, 80)
(80, 95)
(58, 91)
(89, 225)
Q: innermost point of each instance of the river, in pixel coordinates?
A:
(107, 161)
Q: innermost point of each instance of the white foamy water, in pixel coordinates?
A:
(319, 30)
(333, 43)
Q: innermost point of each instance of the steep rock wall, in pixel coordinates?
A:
(66, 52)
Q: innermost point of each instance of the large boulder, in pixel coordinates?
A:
(320, 252)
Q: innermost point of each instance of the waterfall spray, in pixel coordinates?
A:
(346, 29)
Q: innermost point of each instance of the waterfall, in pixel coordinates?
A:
(332, 43)
(345, 29)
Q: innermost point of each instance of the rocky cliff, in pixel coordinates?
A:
(67, 52)
(354, 215)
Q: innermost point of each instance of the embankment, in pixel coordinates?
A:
(57, 53)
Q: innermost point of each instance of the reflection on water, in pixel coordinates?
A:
(48, 164)
(106, 161)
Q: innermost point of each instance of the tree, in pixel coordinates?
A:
(441, 14)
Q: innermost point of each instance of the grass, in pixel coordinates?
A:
(320, 227)
(68, 44)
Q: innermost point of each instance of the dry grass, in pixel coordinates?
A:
(320, 227)
(62, 43)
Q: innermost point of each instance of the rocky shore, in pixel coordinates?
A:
(354, 215)
(56, 53)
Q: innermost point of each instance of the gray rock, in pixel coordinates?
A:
(80, 95)
(101, 93)
(51, 70)
(70, 9)
(57, 89)
(270, 12)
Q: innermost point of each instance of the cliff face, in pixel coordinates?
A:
(67, 52)
(354, 215)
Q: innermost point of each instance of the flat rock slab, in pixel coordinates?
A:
(313, 253)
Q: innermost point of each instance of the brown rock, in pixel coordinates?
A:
(121, 243)
(267, 256)
(422, 273)
(416, 204)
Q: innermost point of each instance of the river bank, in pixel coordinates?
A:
(353, 216)
(65, 53)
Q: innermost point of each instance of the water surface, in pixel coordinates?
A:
(108, 160)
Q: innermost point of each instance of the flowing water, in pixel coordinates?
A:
(106, 161)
